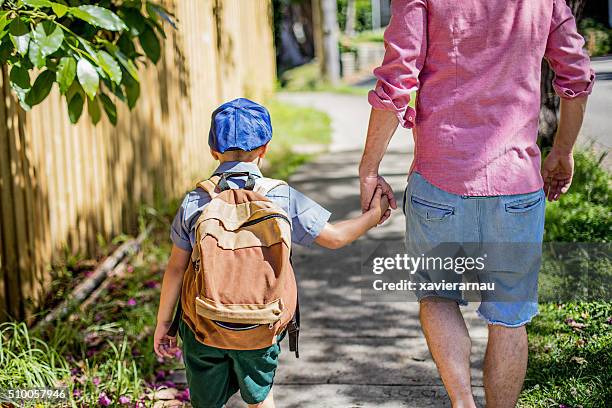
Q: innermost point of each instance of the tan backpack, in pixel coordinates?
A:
(239, 291)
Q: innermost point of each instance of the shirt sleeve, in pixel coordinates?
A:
(405, 51)
(307, 218)
(179, 232)
(566, 55)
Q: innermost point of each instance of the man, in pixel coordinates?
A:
(477, 175)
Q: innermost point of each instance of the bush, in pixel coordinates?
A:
(364, 14)
(598, 37)
(584, 214)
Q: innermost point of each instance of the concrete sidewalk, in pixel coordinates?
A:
(356, 354)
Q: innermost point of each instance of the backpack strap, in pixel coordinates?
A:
(265, 185)
(210, 185)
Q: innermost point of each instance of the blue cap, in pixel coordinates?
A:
(239, 124)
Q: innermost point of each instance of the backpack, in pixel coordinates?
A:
(239, 291)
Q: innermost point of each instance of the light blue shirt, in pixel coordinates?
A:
(307, 217)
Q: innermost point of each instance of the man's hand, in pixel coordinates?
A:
(164, 345)
(368, 185)
(557, 172)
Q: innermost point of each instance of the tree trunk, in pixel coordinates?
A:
(549, 108)
(326, 38)
(351, 18)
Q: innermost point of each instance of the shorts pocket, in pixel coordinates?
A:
(524, 204)
(429, 210)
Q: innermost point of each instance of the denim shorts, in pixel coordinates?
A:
(504, 231)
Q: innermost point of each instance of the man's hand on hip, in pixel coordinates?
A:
(557, 172)
(368, 185)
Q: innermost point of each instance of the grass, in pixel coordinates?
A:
(307, 78)
(570, 356)
(570, 343)
(293, 126)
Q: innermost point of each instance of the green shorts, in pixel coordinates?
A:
(214, 374)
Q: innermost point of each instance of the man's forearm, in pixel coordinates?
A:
(570, 122)
(381, 128)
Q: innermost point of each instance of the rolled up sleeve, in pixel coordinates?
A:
(405, 51)
(566, 55)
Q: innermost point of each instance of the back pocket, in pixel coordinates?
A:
(524, 204)
(431, 211)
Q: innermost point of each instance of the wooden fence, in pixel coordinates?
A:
(61, 185)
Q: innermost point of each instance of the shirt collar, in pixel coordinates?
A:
(239, 167)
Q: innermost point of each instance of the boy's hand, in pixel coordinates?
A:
(379, 205)
(164, 345)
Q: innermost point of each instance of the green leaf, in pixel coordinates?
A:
(98, 16)
(109, 108)
(41, 88)
(20, 82)
(110, 66)
(93, 107)
(6, 49)
(20, 76)
(132, 91)
(37, 3)
(150, 44)
(66, 71)
(35, 55)
(18, 27)
(75, 107)
(48, 43)
(88, 77)
(126, 62)
(134, 20)
(21, 43)
(4, 21)
(126, 45)
(59, 9)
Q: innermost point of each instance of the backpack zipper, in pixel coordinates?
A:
(264, 218)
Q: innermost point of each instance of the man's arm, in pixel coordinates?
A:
(164, 345)
(558, 167)
(397, 80)
(381, 128)
(339, 234)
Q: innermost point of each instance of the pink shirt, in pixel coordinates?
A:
(476, 65)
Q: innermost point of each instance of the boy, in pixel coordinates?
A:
(239, 136)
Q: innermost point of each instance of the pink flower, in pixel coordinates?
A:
(103, 400)
(151, 284)
(130, 268)
(178, 354)
(183, 395)
(96, 381)
(76, 392)
(131, 302)
(124, 400)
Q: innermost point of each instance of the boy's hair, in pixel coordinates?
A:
(241, 155)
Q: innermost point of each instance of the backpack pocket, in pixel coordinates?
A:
(269, 313)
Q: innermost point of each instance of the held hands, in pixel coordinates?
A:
(377, 195)
(164, 345)
(379, 206)
(557, 172)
